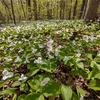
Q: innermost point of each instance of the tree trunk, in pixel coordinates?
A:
(70, 11)
(49, 11)
(91, 10)
(12, 8)
(62, 7)
(28, 4)
(6, 7)
(82, 9)
(22, 8)
(75, 9)
(35, 10)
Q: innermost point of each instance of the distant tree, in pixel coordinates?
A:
(6, 7)
(91, 10)
(20, 1)
(82, 8)
(49, 10)
(62, 7)
(69, 17)
(28, 4)
(35, 10)
(75, 9)
(13, 14)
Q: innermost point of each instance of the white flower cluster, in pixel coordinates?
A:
(23, 77)
(49, 46)
(6, 74)
(57, 50)
(45, 81)
(87, 38)
(34, 50)
(39, 61)
(18, 59)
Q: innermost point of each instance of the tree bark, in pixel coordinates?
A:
(75, 9)
(28, 4)
(35, 10)
(91, 10)
(12, 8)
(6, 7)
(62, 7)
(82, 9)
(70, 11)
(22, 8)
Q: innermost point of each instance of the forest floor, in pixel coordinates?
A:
(72, 48)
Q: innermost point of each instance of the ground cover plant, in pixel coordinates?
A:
(50, 60)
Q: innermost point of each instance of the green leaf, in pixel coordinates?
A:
(35, 96)
(66, 92)
(80, 91)
(94, 84)
(74, 97)
(80, 65)
(49, 67)
(8, 91)
(33, 71)
(51, 89)
(89, 56)
(2, 83)
(35, 83)
(22, 97)
(16, 83)
(95, 73)
(14, 97)
(24, 87)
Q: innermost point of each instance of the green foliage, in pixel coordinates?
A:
(36, 58)
(66, 92)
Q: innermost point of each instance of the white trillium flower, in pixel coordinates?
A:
(39, 61)
(8, 59)
(23, 77)
(34, 50)
(20, 50)
(57, 50)
(26, 61)
(78, 54)
(45, 81)
(86, 38)
(40, 46)
(18, 59)
(49, 46)
(7, 74)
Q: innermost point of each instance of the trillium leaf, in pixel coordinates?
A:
(22, 97)
(8, 91)
(35, 96)
(80, 91)
(94, 84)
(2, 83)
(51, 89)
(80, 65)
(66, 92)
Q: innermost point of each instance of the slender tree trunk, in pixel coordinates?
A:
(12, 8)
(22, 8)
(49, 10)
(70, 11)
(82, 8)
(91, 10)
(28, 4)
(62, 7)
(35, 10)
(75, 9)
(57, 10)
(6, 7)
